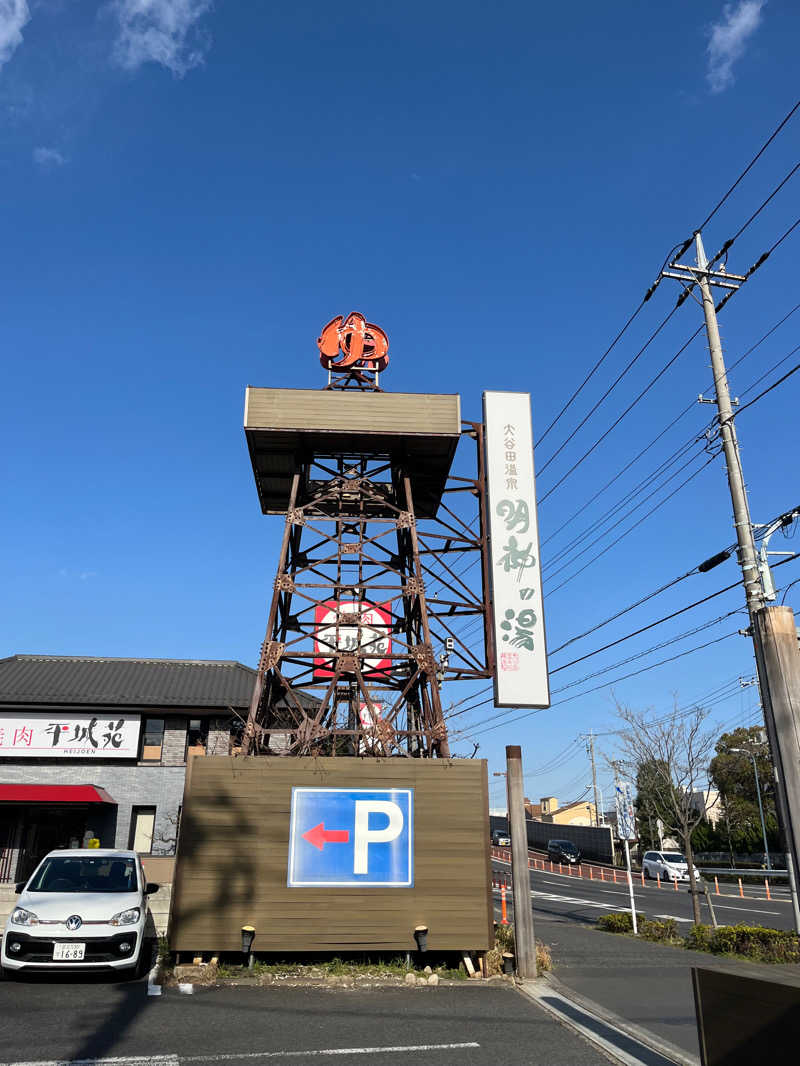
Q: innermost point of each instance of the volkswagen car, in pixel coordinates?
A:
(81, 909)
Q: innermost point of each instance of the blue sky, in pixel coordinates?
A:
(191, 190)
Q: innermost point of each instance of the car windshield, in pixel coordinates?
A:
(673, 856)
(566, 846)
(79, 874)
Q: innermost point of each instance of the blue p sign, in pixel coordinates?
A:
(346, 837)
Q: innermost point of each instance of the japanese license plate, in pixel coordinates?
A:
(68, 952)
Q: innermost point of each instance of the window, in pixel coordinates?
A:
(143, 822)
(152, 739)
(197, 737)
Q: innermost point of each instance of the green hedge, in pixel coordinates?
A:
(749, 941)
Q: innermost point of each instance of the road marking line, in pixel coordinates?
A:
(175, 1060)
(675, 918)
(130, 1060)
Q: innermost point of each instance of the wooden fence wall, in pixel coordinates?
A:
(231, 867)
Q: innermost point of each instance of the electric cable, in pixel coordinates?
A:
(631, 363)
(640, 396)
(625, 500)
(548, 573)
(749, 167)
(774, 385)
(635, 525)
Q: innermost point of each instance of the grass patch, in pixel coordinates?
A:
(756, 942)
(363, 967)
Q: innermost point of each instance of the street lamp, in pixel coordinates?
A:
(744, 751)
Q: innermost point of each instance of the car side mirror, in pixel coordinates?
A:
(151, 888)
(19, 886)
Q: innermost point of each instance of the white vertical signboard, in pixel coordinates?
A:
(520, 678)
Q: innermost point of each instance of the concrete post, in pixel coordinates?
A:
(524, 940)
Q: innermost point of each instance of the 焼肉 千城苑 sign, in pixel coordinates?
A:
(69, 736)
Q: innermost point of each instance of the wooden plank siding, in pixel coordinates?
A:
(312, 410)
(232, 859)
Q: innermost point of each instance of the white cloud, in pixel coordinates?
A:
(161, 31)
(48, 157)
(13, 16)
(728, 39)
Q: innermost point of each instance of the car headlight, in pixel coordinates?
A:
(129, 917)
(22, 917)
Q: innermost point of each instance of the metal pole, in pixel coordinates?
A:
(761, 805)
(520, 878)
(590, 749)
(777, 662)
(630, 887)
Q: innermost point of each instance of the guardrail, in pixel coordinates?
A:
(746, 872)
(594, 872)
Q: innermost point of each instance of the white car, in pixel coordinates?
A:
(667, 866)
(82, 909)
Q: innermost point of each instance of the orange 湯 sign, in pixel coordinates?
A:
(353, 343)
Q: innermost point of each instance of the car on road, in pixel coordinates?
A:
(667, 866)
(81, 909)
(563, 851)
(500, 838)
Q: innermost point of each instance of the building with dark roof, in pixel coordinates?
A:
(92, 747)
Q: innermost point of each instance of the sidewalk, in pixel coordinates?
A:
(647, 986)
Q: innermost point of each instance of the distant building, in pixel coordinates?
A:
(709, 804)
(580, 812)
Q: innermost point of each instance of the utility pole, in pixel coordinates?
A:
(524, 941)
(773, 629)
(589, 738)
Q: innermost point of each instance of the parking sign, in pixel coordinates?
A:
(344, 838)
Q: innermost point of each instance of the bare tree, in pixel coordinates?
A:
(675, 750)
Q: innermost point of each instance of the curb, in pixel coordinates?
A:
(652, 1048)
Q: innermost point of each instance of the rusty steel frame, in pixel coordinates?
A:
(351, 534)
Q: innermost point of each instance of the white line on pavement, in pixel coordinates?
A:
(175, 1060)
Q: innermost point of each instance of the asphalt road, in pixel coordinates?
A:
(585, 900)
(64, 1020)
(648, 986)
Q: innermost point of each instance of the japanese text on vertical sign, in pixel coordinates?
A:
(521, 673)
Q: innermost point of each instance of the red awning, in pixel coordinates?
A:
(54, 794)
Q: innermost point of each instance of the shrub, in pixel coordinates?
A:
(544, 960)
(699, 938)
(504, 937)
(618, 922)
(756, 942)
(661, 931)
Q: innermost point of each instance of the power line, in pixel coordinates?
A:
(650, 650)
(609, 390)
(766, 373)
(548, 572)
(591, 373)
(659, 621)
(605, 684)
(630, 495)
(581, 510)
(626, 412)
(749, 167)
(774, 385)
(635, 525)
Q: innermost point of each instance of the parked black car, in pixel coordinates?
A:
(563, 851)
(500, 838)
